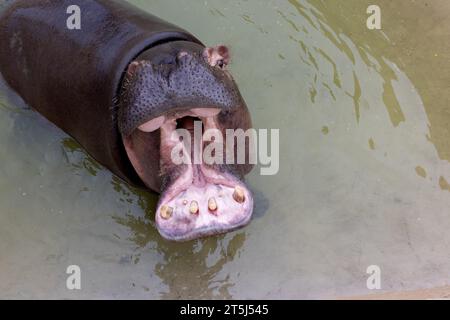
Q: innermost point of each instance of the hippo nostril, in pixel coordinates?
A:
(181, 54)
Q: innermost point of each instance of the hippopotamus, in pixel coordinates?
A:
(121, 85)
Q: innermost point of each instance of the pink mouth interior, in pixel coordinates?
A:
(211, 191)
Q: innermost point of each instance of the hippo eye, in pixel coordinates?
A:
(220, 63)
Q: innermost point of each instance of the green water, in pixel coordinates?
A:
(364, 167)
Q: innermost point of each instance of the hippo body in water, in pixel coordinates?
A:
(121, 86)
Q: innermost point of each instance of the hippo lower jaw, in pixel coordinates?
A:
(202, 200)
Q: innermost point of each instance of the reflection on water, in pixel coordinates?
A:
(189, 268)
(363, 167)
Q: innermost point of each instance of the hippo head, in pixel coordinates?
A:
(171, 98)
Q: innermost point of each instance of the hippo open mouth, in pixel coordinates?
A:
(173, 89)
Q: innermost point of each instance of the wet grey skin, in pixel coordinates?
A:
(175, 84)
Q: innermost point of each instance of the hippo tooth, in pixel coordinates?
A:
(212, 205)
(193, 208)
(238, 194)
(166, 212)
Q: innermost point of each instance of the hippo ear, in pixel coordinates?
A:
(217, 56)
